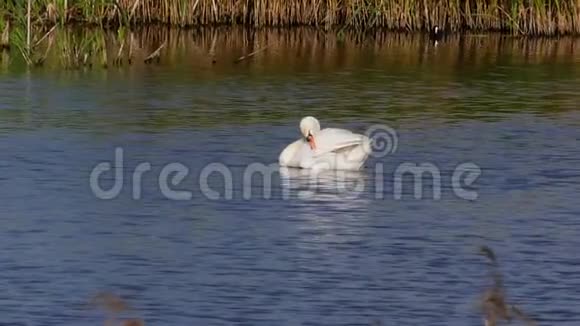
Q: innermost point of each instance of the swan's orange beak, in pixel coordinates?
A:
(311, 142)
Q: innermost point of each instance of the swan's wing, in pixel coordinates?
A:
(294, 153)
(337, 140)
(335, 149)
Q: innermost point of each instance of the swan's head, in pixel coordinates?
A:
(309, 127)
(436, 30)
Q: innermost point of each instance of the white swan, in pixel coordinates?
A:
(327, 149)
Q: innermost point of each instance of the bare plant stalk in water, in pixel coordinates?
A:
(156, 54)
(251, 54)
(494, 304)
(113, 305)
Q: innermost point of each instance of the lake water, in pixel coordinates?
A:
(333, 251)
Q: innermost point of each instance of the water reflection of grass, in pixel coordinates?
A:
(377, 76)
(77, 48)
(293, 50)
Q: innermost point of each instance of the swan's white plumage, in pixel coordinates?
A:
(336, 149)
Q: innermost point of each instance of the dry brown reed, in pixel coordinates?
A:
(5, 37)
(532, 17)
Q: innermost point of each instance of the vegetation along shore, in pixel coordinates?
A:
(35, 29)
(524, 17)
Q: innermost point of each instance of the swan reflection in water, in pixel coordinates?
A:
(327, 185)
(329, 208)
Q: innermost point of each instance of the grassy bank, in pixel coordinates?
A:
(524, 17)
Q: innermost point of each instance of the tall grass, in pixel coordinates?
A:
(5, 36)
(528, 17)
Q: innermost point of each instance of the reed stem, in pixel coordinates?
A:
(532, 17)
(28, 27)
